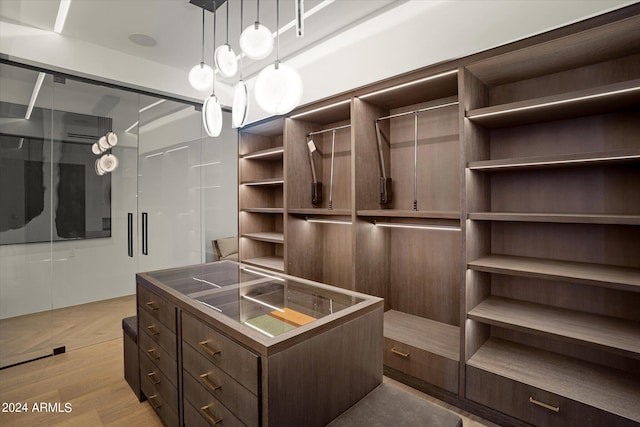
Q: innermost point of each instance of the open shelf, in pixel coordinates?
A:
(425, 334)
(265, 182)
(270, 237)
(537, 162)
(320, 211)
(270, 262)
(397, 213)
(263, 210)
(616, 335)
(608, 276)
(596, 100)
(557, 218)
(608, 389)
(274, 153)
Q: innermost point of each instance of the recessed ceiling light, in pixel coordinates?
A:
(143, 40)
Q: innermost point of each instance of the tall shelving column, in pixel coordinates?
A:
(553, 272)
(408, 248)
(322, 249)
(261, 188)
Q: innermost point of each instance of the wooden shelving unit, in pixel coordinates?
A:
(261, 195)
(521, 273)
(551, 279)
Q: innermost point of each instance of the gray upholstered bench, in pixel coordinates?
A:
(131, 364)
(388, 405)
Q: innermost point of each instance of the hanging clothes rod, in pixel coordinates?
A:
(328, 130)
(435, 107)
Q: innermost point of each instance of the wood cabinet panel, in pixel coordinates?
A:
(160, 383)
(159, 356)
(168, 416)
(203, 410)
(157, 307)
(157, 332)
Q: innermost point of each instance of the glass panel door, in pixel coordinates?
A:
(93, 220)
(25, 215)
(169, 184)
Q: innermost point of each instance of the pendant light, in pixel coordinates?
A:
(211, 109)
(201, 74)
(278, 88)
(224, 56)
(256, 40)
(240, 92)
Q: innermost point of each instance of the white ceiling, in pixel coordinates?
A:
(176, 25)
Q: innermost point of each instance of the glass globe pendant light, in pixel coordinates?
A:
(211, 109)
(240, 92)
(201, 74)
(256, 40)
(278, 88)
(224, 56)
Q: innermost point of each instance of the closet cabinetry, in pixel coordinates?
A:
(408, 237)
(261, 188)
(553, 281)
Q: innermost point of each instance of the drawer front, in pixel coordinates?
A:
(204, 410)
(429, 367)
(533, 405)
(232, 358)
(157, 307)
(159, 357)
(221, 386)
(157, 332)
(168, 416)
(159, 382)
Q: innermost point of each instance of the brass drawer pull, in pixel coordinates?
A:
(153, 378)
(153, 330)
(152, 305)
(207, 382)
(207, 415)
(544, 405)
(153, 403)
(153, 353)
(211, 352)
(399, 353)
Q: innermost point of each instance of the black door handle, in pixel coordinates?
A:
(145, 232)
(130, 234)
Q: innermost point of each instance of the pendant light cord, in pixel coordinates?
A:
(213, 85)
(277, 64)
(241, 29)
(228, 1)
(202, 61)
(257, 14)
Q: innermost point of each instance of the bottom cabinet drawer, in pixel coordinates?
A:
(533, 405)
(168, 416)
(150, 374)
(421, 364)
(201, 409)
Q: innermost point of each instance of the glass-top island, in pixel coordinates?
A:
(254, 347)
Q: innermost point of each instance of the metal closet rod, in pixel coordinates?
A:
(435, 107)
(328, 130)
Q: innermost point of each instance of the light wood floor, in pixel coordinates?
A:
(91, 376)
(34, 335)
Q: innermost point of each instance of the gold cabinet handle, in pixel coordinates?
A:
(207, 382)
(153, 378)
(207, 415)
(399, 353)
(153, 330)
(152, 305)
(153, 353)
(211, 352)
(544, 405)
(153, 403)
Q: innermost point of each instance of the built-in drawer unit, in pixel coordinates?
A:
(207, 410)
(161, 359)
(160, 404)
(220, 386)
(422, 364)
(232, 358)
(157, 332)
(161, 384)
(157, 307)
(534, 405)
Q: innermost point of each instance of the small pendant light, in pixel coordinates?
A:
(256, 40)
(201, 74)
(211, 109)
(278, 88)
(224, 56)
(240, 92)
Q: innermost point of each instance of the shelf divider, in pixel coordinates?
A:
(572, 218)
